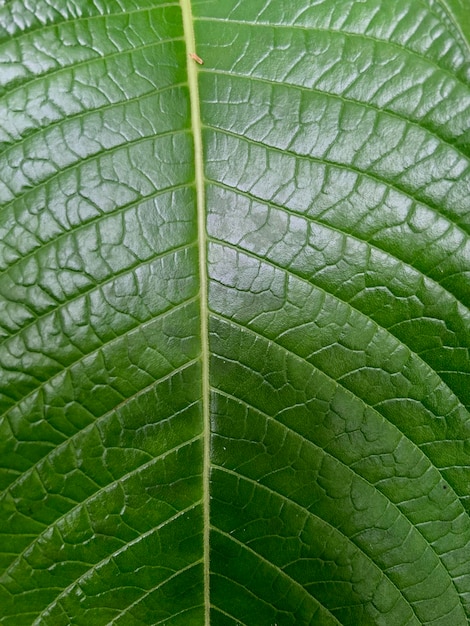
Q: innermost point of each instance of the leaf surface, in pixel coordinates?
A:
(234, 305)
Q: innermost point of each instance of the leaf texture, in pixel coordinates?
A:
(234, 312)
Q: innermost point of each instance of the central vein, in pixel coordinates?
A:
(203, 292)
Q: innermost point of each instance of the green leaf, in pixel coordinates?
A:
(234, 312)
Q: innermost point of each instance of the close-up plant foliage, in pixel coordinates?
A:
(234, 312)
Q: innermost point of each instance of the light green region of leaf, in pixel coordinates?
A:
(234, 312)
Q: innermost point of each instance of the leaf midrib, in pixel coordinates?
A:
(196, 125)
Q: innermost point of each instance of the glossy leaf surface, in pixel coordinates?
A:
(234, 305)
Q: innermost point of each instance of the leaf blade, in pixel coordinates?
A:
(325, 149)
